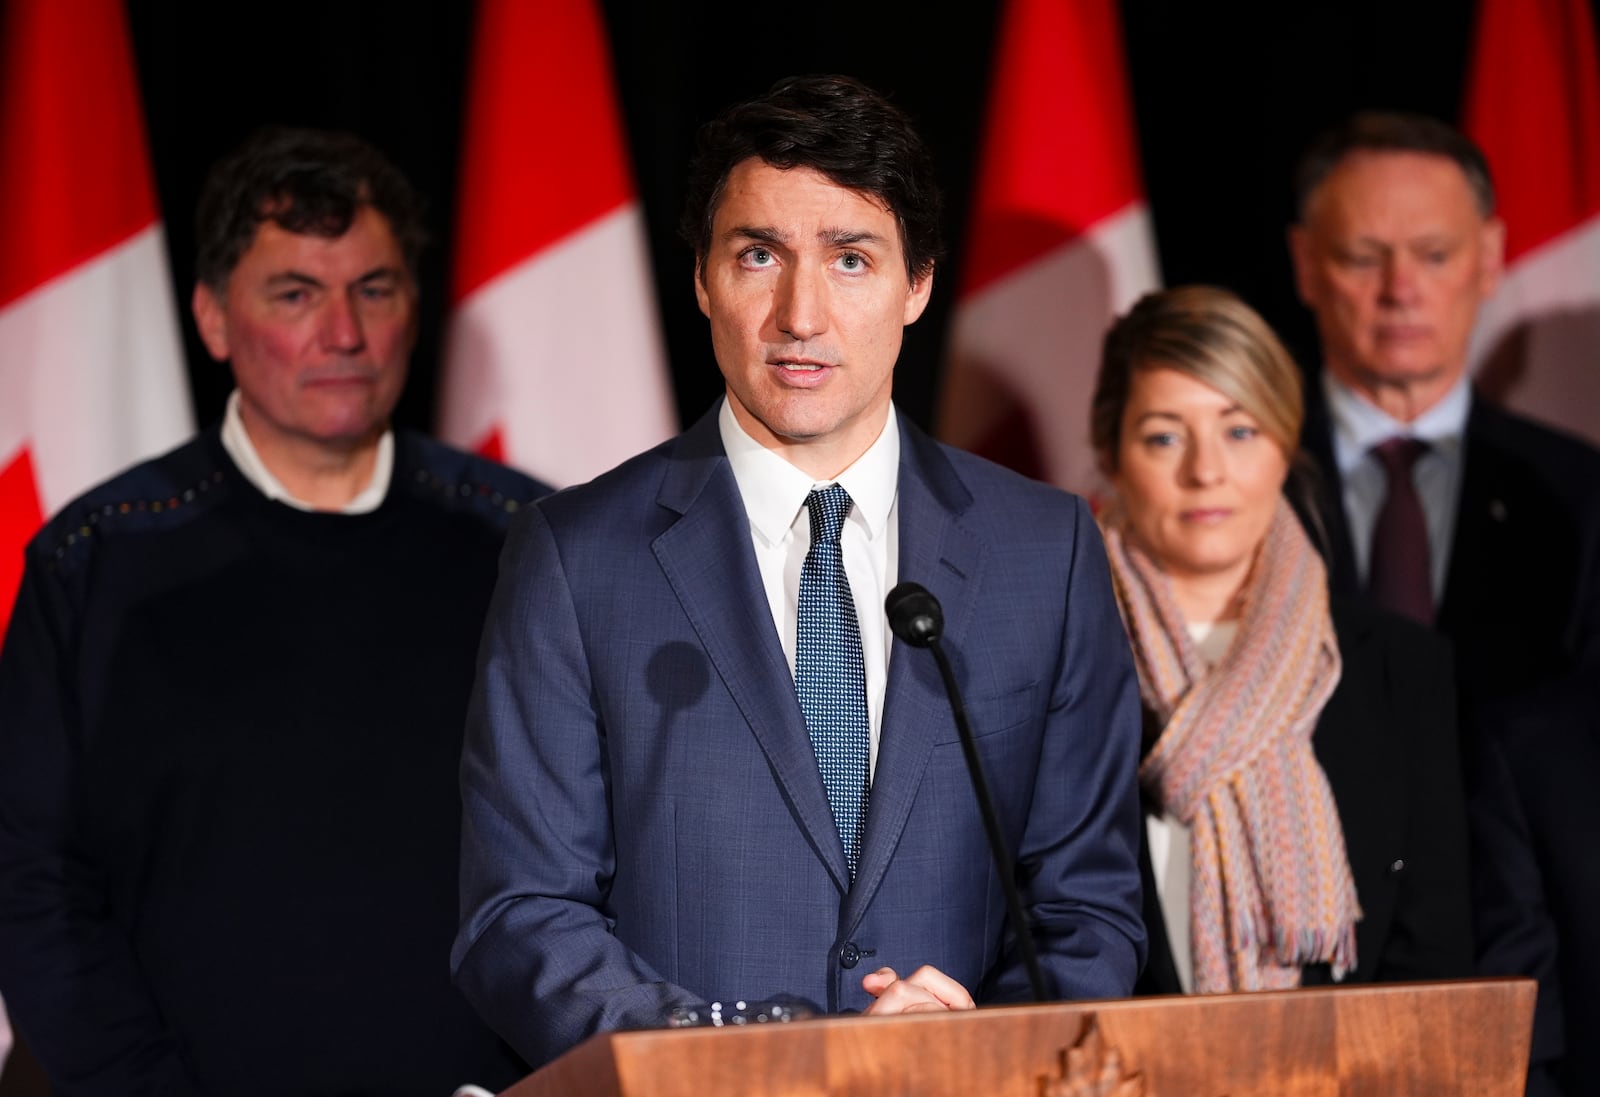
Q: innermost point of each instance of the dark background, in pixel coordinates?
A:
(1225, 99)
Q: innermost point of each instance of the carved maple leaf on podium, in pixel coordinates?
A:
(1093, 1068)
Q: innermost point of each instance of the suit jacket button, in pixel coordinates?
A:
(1398, 866)
(849, 955)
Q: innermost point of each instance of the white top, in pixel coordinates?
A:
(236, 440)
(1170, 855)
(774, 493)
(1358, 426)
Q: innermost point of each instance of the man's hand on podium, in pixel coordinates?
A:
(926, 990)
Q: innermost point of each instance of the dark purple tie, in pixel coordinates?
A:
(1399, 576)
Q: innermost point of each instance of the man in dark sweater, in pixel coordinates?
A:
(232, 692)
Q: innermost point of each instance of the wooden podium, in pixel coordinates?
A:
(1466, 1037)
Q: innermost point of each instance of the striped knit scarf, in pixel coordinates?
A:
(1271, 886)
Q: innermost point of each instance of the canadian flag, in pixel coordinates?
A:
(1059, 243)
(91, 367)
(555, 362)
(1533, 105)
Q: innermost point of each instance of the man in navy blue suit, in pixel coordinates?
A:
(647, 822)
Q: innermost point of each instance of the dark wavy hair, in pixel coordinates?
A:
(1392, 131)
(305, 181)
(834, 125)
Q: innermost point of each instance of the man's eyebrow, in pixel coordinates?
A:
(832, 237)
(759, 234)
(300, 278)
(285, 279)
(1428, 238)
(842, 237)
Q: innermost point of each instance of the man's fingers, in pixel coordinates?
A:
(942, 987)
(924, 990)
(876, 982)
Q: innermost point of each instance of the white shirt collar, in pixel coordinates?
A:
(1358, 424)
(236, 440)
(775, 491)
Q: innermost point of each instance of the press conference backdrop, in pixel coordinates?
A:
(1224, 98)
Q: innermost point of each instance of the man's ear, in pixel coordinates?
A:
(917, 296)
(1300, 257)
(1492, 251)
(211, 318)
(700, 284)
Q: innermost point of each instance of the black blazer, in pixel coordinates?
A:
(1521, 606)
(1387, 741)
(1522, 600)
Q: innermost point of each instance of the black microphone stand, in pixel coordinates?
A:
(916, 617)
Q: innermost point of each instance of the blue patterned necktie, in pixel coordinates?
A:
(830, 675)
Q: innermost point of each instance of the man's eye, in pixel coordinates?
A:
(757, 257)
(293, 296)
(850, 261)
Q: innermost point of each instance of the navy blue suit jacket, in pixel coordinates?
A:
(645, 825)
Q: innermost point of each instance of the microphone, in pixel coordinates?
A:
(916, 617)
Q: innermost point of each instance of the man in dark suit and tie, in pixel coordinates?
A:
(1475, 521)
(699, 767)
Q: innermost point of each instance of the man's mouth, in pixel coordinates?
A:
(1403, 333)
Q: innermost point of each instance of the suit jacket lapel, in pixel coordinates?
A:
(1327, 512)
(937, 551)
(1481, 521)
(708, 560)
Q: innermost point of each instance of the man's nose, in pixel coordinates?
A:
(341, 324)
(801, 310)
(1399, 279)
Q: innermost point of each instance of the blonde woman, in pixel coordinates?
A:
(1304, 814)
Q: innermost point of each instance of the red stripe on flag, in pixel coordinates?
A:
(1058, 153)
(543, 73)
(74, 180)
(1533, 104)
(20, 517)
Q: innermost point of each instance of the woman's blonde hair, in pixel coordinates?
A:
(1206, 333)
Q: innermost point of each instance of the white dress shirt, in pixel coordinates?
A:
(774, 493)
(236, 440)
(1358, 426)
